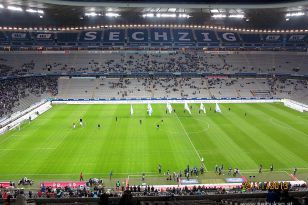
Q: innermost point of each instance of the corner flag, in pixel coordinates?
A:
(202, 108)
(169, 108)
(186, 107)
(217, 108)
(131, 110)
(150, 110)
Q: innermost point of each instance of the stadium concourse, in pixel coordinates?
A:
(154, 63)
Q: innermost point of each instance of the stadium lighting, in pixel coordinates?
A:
(35, 11)
(219, 16)
(1, 6)
(111, 14)
(148, 15)
(214, 11)
(295, 14)
(31, 11)
(237, 16)
(91, 14)
(164, 15)
(14, 8)
(184, 16)
(171, 9)
(110, 9)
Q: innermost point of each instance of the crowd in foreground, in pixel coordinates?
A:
(129, 192)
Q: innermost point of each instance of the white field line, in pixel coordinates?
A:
(47, 148)
(190, 140)
(140, 174)
(8, 138)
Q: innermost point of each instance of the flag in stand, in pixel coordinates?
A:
(217, 108)
(150, 110)
(202, 108)
(131, 110)
(186, 107)
(169, 108)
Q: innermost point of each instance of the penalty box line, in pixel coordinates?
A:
(190, 140)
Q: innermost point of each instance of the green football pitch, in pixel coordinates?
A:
(48, 148)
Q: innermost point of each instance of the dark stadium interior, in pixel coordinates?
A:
(74, 58)
(57, 13)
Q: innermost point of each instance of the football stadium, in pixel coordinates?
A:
(153, 102)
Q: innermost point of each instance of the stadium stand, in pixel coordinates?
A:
(234, 66)
(20, 93)
(189, 61)
(153, 37)
(178, 88)
(157, 74)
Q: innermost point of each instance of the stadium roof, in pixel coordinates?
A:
(281, 14)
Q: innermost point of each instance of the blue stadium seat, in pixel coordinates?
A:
(4, 40)
(137, 35)
(160, 37)
(183, 38)
(295, 41)
(228, 37)
(67, 38)
(154, 37)
(272, 38)
(43, 39)
(251, 38)
(90, 36)
(206, 38)
(296, 38)
(114, 37)
(20, 38)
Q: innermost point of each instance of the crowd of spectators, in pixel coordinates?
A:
(187, 87)
(13, 90)
(142, 61)
(103, 194)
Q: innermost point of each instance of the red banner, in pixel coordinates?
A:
(63, 184)
(5, 184)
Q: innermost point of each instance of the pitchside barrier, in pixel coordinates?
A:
(295, 105)
(163, 100)
(35, 110)
(29, 114)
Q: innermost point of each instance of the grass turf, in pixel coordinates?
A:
(49, 148)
